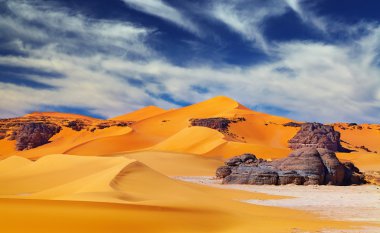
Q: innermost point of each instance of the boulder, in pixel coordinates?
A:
(234, 161)
(316, 135)
(334, 169)
(223, 171)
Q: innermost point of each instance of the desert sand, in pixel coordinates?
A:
(98, 194)
(353, 203)
(118, 179)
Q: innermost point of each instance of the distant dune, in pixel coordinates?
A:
(115, 175)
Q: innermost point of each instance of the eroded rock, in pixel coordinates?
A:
(316, 135)
(305, 166)
(32, 135)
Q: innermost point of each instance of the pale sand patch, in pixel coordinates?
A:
(347, 203)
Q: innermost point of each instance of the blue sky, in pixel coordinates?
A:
(307, 60)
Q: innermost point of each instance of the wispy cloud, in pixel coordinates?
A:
(308, 16)
(164, 11)
(109, 68)
(247, 18)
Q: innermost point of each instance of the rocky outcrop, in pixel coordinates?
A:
(32, 135)
(13, 128)
(292, 124)
(76, 125)
(218, 123)
(305, 166)
(223, 171)
(316, 135)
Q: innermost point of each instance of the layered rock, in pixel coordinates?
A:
(218, 123)
(305, 166)
(32, 135)
(316, 135)
(292, 124)
(40, 127)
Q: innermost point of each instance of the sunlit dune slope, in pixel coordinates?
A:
(63, 193)
(140, 114)
(155, 129)
(176, 164)
(360, 137)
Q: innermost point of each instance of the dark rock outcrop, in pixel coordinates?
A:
(223, 171)
(218, 123)
(292, 124)
(316, 135)
(305, 166)
(32, 135)
(76, 125)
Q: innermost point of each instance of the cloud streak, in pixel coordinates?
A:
(247, 19)
(164, 11)
(108, 67)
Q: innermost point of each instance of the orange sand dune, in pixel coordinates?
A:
(140, 114)
(362, 135)
(196, 140)
(158, 130)
(365, 161)
(63, 193)
(176, 164)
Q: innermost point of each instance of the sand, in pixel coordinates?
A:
(348, 203)
(64, 193)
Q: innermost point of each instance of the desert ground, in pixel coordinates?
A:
(122, 174)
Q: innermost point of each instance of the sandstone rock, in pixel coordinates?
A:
(334, 169)
(234, 161)
(290, 177)
(316, 135)
(76, 125)
(32, 135)
(292, 124)
(352, 174)
(219, 123)
(223, 171)
(307, 166)
(248, 158)
(306, 161)
(251, 175)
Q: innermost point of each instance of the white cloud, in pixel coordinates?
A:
(314, 81)
(164, 11)
(308, 16)
(247, 18)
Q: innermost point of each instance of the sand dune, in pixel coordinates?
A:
(161, 130)
(176, 164)
(103, 194)
(140, 114)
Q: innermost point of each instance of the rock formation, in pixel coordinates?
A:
(316, 135)
(218, 123)
(292, 124)
(32, 135)
(76, 125)
(305, 166)
(41, 127)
